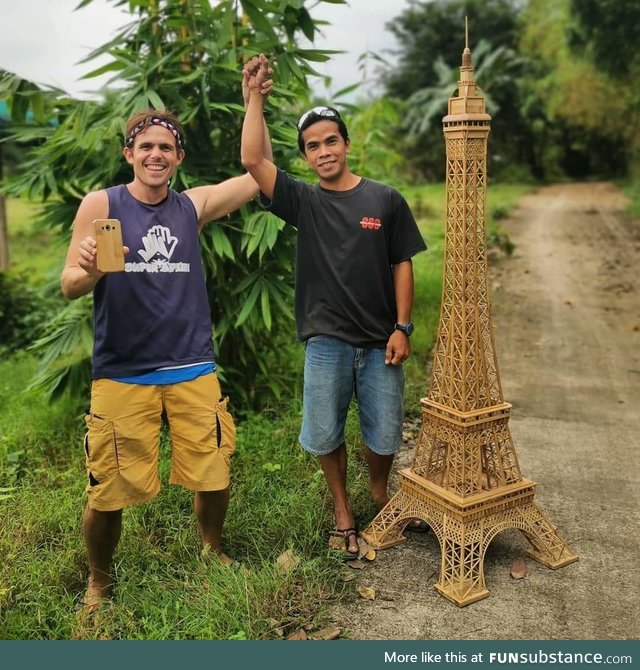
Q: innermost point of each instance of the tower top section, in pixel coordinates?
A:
(468, 103)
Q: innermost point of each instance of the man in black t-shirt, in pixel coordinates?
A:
(354, 294)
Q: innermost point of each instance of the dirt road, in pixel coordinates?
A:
(566, 310)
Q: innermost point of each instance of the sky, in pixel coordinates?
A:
(43, 40)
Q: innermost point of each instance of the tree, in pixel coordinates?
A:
(591, 117)
(498, 72)
(606, 33)
(432, 37)
(428, 31)
(608, 30)
(184, 55)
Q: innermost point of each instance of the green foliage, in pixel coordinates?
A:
(23, 310)
(583, 111)
(64, 350)
(632, 190)
(432, 40)
(561, 85)
(373, 149)
(608, 30)
(35, 436)
(184, 55)
(432, 31)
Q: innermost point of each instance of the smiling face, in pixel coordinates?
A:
(154, 158)
(326, 152)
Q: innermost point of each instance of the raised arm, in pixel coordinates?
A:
(218, 200)
(213, 202)
(80, 273)
(256, 154)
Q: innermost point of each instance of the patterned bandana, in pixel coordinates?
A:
(153, 121)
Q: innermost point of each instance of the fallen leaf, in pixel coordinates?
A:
(288, 561)
(356, 565)
(364, 546)
(330, 633)
(298, 635)
(366, 550)
(348, 577)
(519, 569)
(367, 592)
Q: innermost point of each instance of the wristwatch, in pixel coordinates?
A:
(406, 328)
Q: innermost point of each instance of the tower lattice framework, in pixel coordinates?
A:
(465, 480)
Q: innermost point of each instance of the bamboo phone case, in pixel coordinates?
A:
(110, 255)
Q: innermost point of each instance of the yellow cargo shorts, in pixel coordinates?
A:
(123, 434)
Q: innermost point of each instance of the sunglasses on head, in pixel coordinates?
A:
(327, 112)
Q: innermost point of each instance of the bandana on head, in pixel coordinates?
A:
(153, 121)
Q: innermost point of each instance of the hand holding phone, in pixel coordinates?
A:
(110, 254)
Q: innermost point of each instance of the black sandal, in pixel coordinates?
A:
(345, 534)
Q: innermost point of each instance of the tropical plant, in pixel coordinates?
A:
(427, 31)
(500, 75)
(184, 55)
(592, 115)
(426, 106)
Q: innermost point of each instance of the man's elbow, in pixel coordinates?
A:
(71, 288)
(68, 290)
(251, 163)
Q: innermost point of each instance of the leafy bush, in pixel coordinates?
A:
(23, 311)
(183, 55)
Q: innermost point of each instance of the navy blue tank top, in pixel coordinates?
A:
(156, 313)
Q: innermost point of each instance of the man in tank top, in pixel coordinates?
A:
(153, 354)
(354, 295)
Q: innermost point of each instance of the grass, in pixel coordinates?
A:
(38, 252)
(632, 191)
(165, 588)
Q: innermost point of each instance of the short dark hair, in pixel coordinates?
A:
(320, 114)
(163, 117)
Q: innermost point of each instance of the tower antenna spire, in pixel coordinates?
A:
(466, 32)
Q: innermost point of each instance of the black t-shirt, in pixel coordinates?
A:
(347, 243)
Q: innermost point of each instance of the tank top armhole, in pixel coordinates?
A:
(184, 196)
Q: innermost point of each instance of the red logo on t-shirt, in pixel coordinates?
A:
(369, 223)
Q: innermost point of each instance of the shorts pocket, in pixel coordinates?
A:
(225, 429)
(101, 448)
(315, 338)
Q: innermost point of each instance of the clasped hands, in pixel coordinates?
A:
(256, 77)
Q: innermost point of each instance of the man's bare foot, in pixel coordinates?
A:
(208, 553)
(93, 599)
(227, 561)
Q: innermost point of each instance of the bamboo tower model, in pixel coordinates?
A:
(465, 481)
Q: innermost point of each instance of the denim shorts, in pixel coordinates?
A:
(334, 371)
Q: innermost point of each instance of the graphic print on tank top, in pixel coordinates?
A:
(158, 246)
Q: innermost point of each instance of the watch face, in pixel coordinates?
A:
(406, 328)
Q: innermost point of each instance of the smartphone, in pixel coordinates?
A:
(110, 256)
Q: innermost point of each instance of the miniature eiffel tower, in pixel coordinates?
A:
(465, 481)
